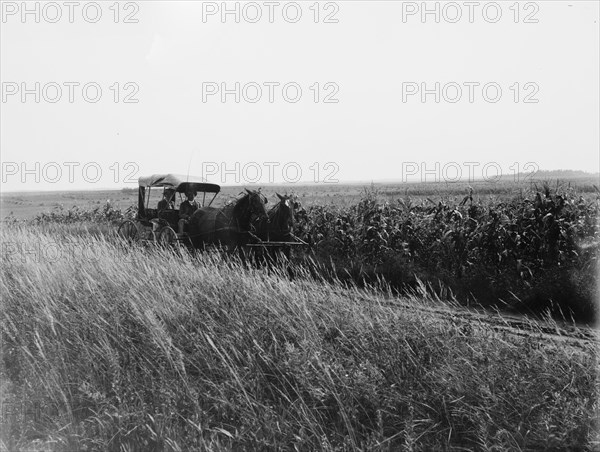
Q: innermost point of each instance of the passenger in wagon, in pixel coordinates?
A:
(168, 201)
(186, 209)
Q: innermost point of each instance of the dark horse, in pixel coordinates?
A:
(279, 225)
(230, 225)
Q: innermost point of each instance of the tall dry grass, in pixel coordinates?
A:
(124, 348)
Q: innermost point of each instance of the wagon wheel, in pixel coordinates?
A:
(129, 231)
(167, 236)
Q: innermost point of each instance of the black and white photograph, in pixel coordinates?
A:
(312, 225)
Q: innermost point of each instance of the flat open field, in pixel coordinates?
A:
(109, 345)
(26, 205)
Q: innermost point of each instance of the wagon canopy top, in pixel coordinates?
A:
(181, 183)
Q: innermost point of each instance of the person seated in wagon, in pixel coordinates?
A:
(168, 201)
(187, 208)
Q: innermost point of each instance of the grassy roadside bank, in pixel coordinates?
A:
(136, 349)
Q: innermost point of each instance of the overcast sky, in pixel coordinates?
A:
(373, 58)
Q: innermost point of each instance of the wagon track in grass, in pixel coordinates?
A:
(517, 325)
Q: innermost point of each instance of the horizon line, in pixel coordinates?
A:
(503, 178)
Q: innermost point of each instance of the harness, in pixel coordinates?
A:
(231, 223)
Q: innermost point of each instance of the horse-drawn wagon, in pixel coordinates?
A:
(161, 223)
(244, 222)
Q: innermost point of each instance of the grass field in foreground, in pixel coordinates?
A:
(143, 349)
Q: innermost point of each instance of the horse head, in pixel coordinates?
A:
(285, 213)
(256, 204)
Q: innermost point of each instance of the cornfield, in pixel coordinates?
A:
(534, 253)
